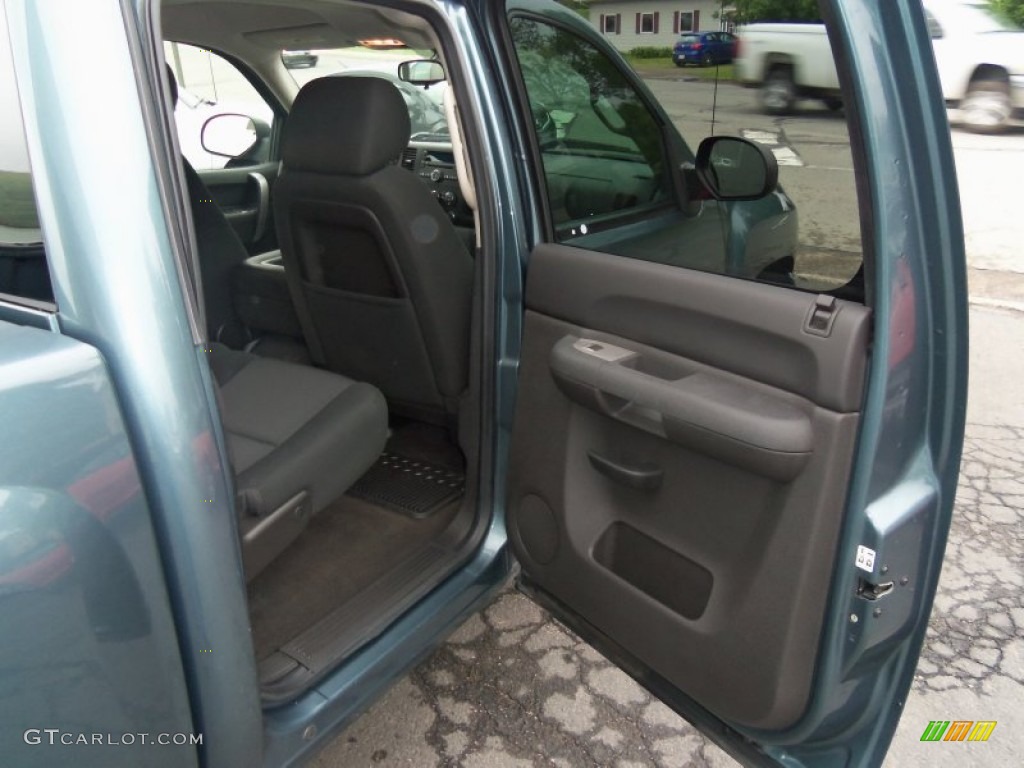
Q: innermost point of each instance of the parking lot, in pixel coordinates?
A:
(512, 688)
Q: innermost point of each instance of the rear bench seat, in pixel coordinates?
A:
(298, 437)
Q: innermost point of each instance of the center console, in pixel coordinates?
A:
(433, 160)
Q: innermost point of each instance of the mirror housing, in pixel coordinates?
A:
(421, 72)
(230, 135)
(731, 168)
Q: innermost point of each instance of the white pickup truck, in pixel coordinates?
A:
(980, 60)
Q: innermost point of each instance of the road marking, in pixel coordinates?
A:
(784, 153)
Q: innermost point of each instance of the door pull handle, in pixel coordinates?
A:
(644, 476)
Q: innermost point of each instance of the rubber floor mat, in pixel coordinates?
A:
(411, 487)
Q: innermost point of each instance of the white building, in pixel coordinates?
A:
(629, 24)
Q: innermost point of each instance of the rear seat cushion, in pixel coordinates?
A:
(293, 428)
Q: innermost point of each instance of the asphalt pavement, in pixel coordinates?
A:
(513, 688)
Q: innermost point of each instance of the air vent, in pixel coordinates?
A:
(408, 158)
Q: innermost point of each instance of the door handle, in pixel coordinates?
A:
(262, 204)
(645, 476)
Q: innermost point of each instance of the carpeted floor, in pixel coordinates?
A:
(346, 547)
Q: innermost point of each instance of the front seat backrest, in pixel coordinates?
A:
(219, 252)
(380, 279)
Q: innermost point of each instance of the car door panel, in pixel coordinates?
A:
(244, 196)
(685, 496)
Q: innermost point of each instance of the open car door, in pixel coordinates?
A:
(737, 489)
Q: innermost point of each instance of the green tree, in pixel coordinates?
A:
(748, 11)
(1012, 10)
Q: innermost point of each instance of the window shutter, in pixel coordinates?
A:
(696, 21)
(638, 23)
(618, 23)
(602, 24)
(656, 15)
(675, 23)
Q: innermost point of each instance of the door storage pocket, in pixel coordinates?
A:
(674, 580)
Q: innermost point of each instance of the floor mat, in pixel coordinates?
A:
(412, 487)
(345, 549)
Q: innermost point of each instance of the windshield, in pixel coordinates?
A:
(423, 102)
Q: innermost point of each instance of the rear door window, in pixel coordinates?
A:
(601, 146)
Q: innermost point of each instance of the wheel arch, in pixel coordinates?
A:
(996, 72)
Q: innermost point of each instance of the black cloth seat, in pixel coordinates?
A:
(220, 251)
(298, 437)
(380, 279)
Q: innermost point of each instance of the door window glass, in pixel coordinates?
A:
(601, 147)
(209, 85)
(23, 270)
(620, 174)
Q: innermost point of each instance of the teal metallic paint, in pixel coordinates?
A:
(912, 430)
(85, 619)
(117, 286)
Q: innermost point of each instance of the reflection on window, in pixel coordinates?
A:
(601, 147)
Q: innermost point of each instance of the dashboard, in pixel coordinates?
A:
(430, 157)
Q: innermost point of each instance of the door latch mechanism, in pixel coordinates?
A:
(871, 591)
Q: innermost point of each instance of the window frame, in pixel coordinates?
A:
(644, 16)
(616, 23)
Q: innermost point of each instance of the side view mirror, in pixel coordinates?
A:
(421, 72)
(731, 168)
(229, 135)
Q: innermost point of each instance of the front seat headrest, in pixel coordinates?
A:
(348, 126)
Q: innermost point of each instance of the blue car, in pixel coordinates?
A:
(704, 48)
(270, 432)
